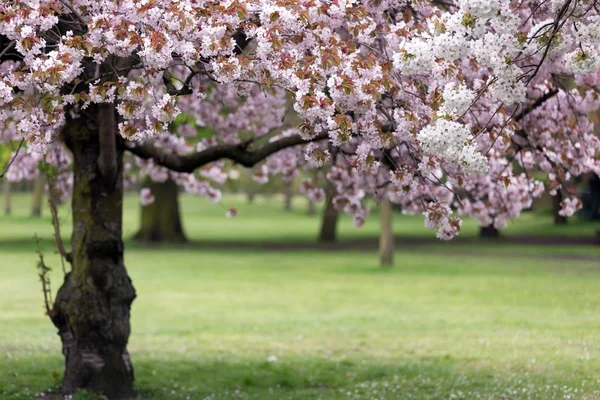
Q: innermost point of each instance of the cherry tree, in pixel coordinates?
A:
(440, 106)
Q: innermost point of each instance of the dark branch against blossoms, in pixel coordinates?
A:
(239, 153)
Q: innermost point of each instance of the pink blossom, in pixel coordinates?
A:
(146, 197)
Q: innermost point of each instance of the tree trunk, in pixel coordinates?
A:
(556, 200)
(92, 308)
(594, 197)
(330, 216)
(161, 220)
(386, 235)
(38, 194)
(311, 210)
(251, 195)
(288, 195)
(7, 197)
(488, 231)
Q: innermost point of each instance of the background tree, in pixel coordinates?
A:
(310, 205)
(160, 219)
(489, 231)
(591, 202)
(288, 195)
(7, 197)
(328, 231)
(39, 186)
(386, 234)
(329, 219)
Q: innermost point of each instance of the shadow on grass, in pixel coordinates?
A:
(575, 249)
(444, 377)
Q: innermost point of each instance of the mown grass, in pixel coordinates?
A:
(449, 322)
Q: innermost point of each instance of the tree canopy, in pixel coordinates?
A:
(440, 105)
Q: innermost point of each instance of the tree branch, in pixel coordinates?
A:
(7, 45)
(539, 101)
(520, 134)
(12, 159)
(7, 48)
(235, 152)
(172, 90)
(75, 13)
(241, 42)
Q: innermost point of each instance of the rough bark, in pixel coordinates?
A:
(92, 308)
(556, 200)
(489, 231)
(161, 220)
(386, 236)
(38, 193)
(7, 197)
(288, 196)
(328, 233)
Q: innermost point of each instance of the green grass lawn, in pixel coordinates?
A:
(449, 322)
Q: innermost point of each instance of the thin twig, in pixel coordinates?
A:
(43, 271)
(55, 222)
(74, 12)
(12, 160)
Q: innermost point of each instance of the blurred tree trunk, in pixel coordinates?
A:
(386, 235)
(250, 195)
(288, 195)
(556, 200)
(328, 232)
(161, 220)
(595, 197)
(38, 194)
(311, 210)
(488, 231)
(7, 197)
